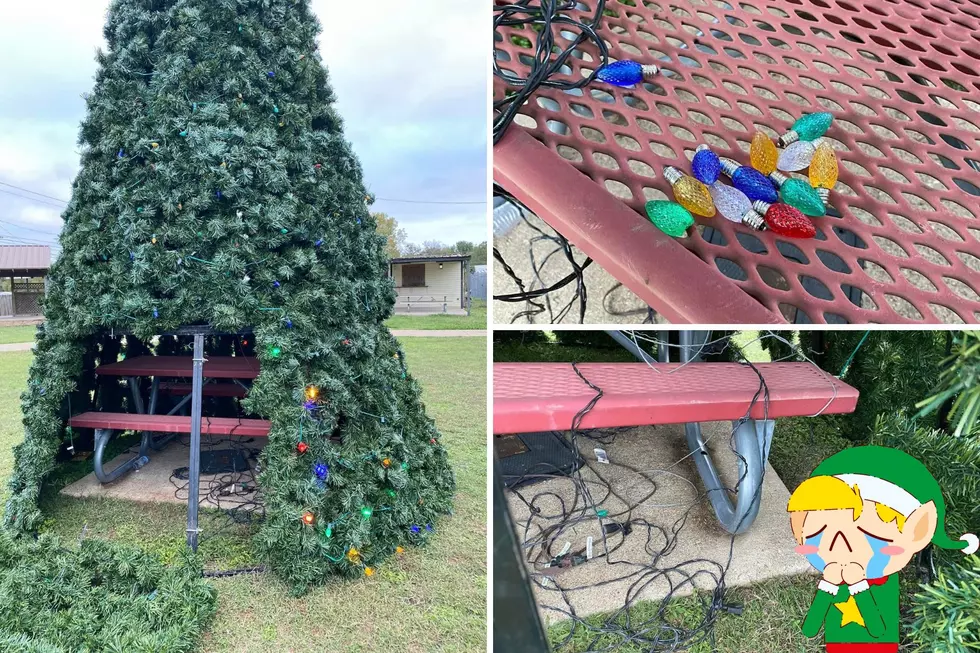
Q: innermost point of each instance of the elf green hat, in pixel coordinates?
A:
(899, 481)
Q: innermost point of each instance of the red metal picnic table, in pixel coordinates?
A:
(901, 78)
(197, 368)
(215, 367)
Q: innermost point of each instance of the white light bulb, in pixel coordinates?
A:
(729, 201)
(796, 156)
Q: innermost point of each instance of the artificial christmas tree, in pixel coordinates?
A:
(216, 189)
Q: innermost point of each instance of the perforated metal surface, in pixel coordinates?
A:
(902, 79)
(546, 396)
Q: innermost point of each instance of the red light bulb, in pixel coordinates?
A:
(784, 220)
(308, 518)
(301, 448)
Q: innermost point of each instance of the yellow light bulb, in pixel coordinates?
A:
(690, 193)
(312, 392)
(823, 167)
(763, 154)
(823, 171)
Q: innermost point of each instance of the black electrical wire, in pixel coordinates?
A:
(547, 20)
(529, 296)
(623, 627)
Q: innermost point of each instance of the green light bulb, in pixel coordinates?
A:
(391, 493)
(366, 512)
(808, 127)
(813, 125)
(275, 352)
(329, 531)
(803, 196)
(670, 217)
(404, 465)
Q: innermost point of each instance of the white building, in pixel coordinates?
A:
(430, 284)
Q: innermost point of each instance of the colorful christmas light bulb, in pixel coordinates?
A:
(799, 194)
(366, 512)
(689, 192)
(705, 166)
(824, 171)
(797, 156)
(669, 217)
(301, 448)
(625, 73)
(734, 205)
(763, 153)
(308, 518)
(785, 220)
(808, 127)
(750, 181)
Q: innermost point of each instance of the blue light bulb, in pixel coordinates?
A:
(318, 243)
(750, 181)
(156, 313)
(289, 323)
(321, 469)
(706, 165)
(122, 154)
(416, 529)
(621, 73)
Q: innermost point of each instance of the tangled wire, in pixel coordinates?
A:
(589, 495)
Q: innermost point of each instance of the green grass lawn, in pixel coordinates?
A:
(12, 334)
(476, 320)
(430, 599)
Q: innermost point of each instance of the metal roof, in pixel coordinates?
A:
(432, 259)
(24, 257)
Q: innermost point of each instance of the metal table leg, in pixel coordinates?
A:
(194, 467)
(753, 439)
(102, 437)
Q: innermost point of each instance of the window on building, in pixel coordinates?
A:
(413, 276)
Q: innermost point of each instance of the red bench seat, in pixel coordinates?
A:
(171, 424)
(532, 397)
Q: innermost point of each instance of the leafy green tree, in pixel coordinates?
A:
(216, 187)
(396, 236)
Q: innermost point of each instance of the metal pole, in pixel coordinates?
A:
(630, 346)
(194, 467)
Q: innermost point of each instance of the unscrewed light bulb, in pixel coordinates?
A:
(786, 221)
(625, 73)
(670, 217)
(824, 171)
(808, 127)
(763, 153)
(705, 166)
(797, 156)
(750, 181)
(690, 193)
(800, 194)
(734, 205)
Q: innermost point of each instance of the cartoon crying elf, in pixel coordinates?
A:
(860, 518)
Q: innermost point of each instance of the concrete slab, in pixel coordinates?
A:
(157, 482)
(764, 552)
(17, 346)
(609, 302)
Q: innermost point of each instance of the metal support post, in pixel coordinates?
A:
(194, 466)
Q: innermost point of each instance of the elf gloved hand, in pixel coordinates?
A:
(860, 518)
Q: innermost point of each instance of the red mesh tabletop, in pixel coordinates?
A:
(171, 424)
(215, 367)
(902, 78)
(529, 397)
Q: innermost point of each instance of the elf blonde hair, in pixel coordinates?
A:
(832, 493)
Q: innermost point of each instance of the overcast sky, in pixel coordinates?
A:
(411, 86)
